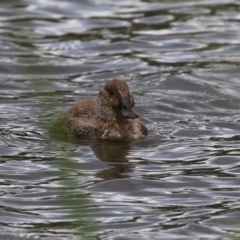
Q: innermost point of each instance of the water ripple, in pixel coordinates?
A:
(181, 62)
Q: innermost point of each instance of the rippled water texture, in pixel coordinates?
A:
(181, 60)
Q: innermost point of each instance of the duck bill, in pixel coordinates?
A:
(127, 111)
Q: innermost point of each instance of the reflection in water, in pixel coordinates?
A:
(111, 151)
(114, 153)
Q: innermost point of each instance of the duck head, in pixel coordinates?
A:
(116, 100)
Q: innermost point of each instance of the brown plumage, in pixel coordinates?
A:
(109, 116)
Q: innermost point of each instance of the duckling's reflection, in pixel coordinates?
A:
(113, 152)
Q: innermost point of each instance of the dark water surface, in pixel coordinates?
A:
(181, 60)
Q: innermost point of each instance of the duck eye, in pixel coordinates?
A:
(111, 92)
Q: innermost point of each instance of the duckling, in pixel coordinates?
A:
(109, 116)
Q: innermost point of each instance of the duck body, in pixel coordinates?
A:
(109, 116)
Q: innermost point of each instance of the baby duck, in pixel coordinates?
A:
(109, 116)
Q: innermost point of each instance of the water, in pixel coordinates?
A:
(181, 61)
